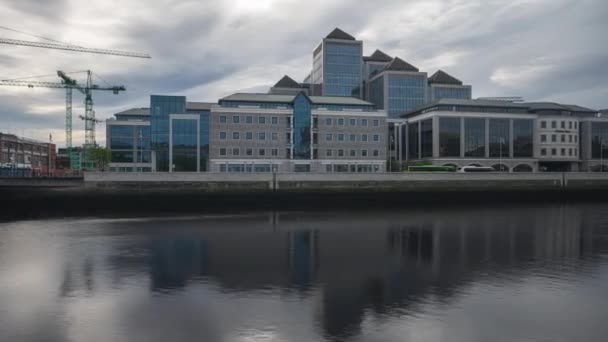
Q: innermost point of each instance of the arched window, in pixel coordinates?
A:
(501, 167)
(523, 168)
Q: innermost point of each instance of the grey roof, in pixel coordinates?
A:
(441, 77)
(535, 106)
(339, 34)
(287, 82)
(135, 112)
(378, 56)
(287, 99)
(199, 105)
(398, 64)
(463, 102)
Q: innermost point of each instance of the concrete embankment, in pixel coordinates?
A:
(149, 194)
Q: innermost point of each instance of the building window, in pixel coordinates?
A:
(249, 135)
(570, 152)
(575, 152)
(328, 121)
(262, 120)
(235, 135)
(288, 137)
(275, 152)
(261, 136)
(328, 153)
(353, 153)
(376, 153)
(223, 168)
(364, 122)
(412, 136)
(341, 122)
(223, 135)
(543, 151)
(352, 122)
(274, 120)
(576, 138)
(249, 119)
(563, 151)
(328, 137)
(570, 138)
(353, 137)
(315, 122)
(236, 151)
(328, 168)
(563, 138)
(222, 118)
(569, 124)
(363, 153)
(236, 119)
(499, 138)
(222, 151)
(553, 151)
(364, 137)
(543, 124)
(563, 124)
(376, 137)
(543, 138)
(575, 124)
(340, 137)
(340, 153)
(553, 124)
(376, 123)
(449, 137)
(523, 135)
(249, 151)
(553, 138)
(315, 138)
(261, 152)
(275, 136)
(474, 137)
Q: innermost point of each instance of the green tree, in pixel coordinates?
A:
(99, 157)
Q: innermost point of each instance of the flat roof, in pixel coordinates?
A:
(135, 111)
(199, 105)
(288, 99)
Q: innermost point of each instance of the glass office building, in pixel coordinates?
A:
(128, 139)
(405, 92)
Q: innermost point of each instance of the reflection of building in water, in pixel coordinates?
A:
(353, 264)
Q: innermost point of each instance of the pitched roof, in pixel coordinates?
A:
(378, 56)
(260, 97)
(135, 112)
(287, 82)
(339, 34)
(441, 77)
(535, 106)
(398, 64)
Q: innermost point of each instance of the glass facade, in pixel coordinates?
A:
(499, 138)
(599, 140)
(376, 92)
(405, 92)
(160, 108)
(185, 141)
(474, 137)
(127, 140)
(523, 136)
(301, 127)
(451, 93)
(342, 69)
(374, 68)
(412, 137)
(426, 138)
(449, 137)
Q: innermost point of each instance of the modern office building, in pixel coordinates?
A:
(516, 137)
(445, 86)
(337, 65)
(288, 86)
(128, 138)
(26, 157)
(296, 133)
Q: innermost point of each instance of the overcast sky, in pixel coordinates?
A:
(554, 50)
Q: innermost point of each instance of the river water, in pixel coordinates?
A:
(514, 273)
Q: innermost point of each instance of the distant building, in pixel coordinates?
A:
(128, 138)
(444, 86)
(296, 133)
(287, 86)
(25, 157)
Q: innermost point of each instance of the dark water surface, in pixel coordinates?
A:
(534, 273)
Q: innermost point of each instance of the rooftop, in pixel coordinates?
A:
(339, 34)
(536, 106)
(199, 105)
(378, 56)
(398, 64)
(441, 77)
(287, 82)
(287, 99)
(135, 112)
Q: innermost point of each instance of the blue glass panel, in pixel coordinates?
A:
(342, 69)
(301, 128)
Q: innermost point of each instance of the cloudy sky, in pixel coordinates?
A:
(554, 50)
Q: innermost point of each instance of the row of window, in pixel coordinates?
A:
(261, 152)
(351, 122)
(571, 152)
(249, 136)
(571, 124)
(351, 137)
(571, 138)
(274, 120)
(351, 153)
(352, 168)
